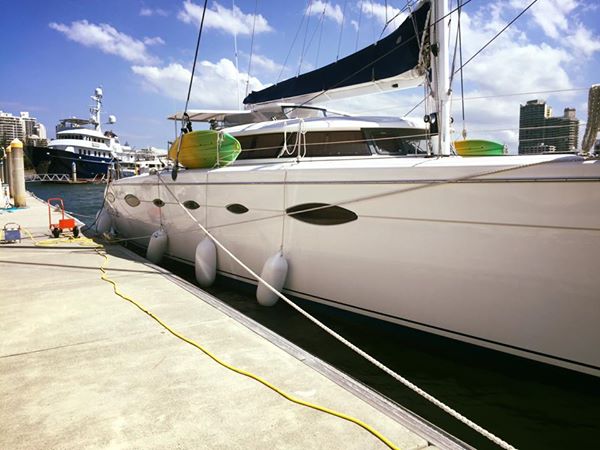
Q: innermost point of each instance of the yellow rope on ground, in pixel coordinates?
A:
(233, 368)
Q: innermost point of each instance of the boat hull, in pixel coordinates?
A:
(48, 160)
(495, 253)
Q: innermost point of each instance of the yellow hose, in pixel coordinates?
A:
(86, 242)
(235, 369)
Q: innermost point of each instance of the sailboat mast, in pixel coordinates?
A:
(440, 60)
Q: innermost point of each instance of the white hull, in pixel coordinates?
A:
(507, 260)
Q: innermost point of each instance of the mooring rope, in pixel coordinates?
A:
(495, 439)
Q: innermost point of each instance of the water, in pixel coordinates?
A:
(530, 405)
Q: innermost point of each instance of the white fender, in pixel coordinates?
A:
(205, 262)
(103, 221)
(274, 272)
(157, 246)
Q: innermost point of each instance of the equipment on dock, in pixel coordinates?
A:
(63, 224)
(11, 233)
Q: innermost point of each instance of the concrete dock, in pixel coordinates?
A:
(82, 368)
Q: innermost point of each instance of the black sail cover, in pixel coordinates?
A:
(392, 56)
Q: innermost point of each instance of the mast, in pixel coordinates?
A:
(440, 62)
(95, 109)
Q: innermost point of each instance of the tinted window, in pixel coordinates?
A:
(321, 143)
(397, 141)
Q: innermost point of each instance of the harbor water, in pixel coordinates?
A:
(530, 405)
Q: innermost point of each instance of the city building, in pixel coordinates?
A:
(22, 127)
(540, 132)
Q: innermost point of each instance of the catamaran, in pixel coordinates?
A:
(378, 216)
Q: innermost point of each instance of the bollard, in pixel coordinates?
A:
(73, 172)
(18, 170)
(9, 176)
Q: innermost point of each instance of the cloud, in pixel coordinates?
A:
(232, 21)
(216, 85)
(107, 39)
(147, 12)
(265, 64)
(332, 12)
(383, 13)
(153, 41)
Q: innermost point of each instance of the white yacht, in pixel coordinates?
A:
(378, 216)
(81, 145)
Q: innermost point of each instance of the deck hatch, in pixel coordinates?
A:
(321, 214)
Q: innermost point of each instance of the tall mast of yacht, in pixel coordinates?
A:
(95, 109)
(440, 62)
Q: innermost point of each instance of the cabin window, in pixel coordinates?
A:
(318, 144)
(335, 143)
(110, 197)
(397, 141)
(158, 202)
(261, 146)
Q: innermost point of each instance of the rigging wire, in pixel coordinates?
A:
(498, 34)
(462, 83)
(484, 46)
(251, 46)
(320, 34)
(317, 95)
(187, 127)
(341, 30)
(291, 47)
(358, 27)
(308, 9)
(237, 66)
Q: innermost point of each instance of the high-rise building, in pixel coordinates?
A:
(23, 127)
(540, 132)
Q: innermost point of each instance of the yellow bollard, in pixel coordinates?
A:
(18, 170)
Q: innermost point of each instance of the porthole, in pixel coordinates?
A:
(236, 208)
(321, 214)
(191, 204)
(132, 200)
(158, 202)
(110, 197)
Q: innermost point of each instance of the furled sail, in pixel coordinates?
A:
(390, 63)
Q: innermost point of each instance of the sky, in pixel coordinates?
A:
(141, 52)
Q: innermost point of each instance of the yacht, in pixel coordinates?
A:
(380, 217)
(82, 147)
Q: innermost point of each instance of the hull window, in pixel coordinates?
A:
(158, 202)
(110, 197)
(132, 200)
(191, 204)
(321, 214)
(236, 208)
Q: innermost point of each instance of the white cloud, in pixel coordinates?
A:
(153, 41)
(107, 39)
(383, 13)
(147, 12)
(216, 85)
(550, 15)
(263, 63)
(333, 12)
(232, 21)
